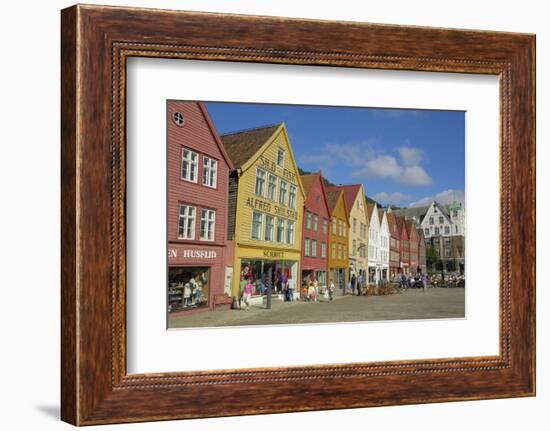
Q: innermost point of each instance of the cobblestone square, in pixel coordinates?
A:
(435, 303)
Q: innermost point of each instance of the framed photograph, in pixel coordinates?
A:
(265, 215)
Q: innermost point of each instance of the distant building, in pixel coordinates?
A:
(444, 229)
(384, 244)
(375, 263)
(338, 261)
(395, 244)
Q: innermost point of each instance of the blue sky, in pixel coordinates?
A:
(403, 157)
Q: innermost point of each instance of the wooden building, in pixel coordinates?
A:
(338, 261)
(315, 230)
(356, 203)
(395, 245)
(199, 255)
(266, 202)
(404, 249)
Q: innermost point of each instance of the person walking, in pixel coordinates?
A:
(331, 290)
(248, 289)
(290, 288)
(353, 284)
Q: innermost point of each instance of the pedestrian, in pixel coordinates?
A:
(424, 279)
(248, 289)
(353, 283)
(331, 290)
(290, 288)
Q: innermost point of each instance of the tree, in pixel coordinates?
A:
(431, 256)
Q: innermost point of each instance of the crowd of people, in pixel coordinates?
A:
(423, 280)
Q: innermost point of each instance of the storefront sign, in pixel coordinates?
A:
(192, 253)
(274, 254)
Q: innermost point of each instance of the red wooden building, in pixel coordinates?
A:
(315, 231)
(395, 245)
(413, 246)
(404, 246)
(199, 255)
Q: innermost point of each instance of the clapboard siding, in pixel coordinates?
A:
(198, 136)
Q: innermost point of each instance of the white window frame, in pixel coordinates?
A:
(307, 247)
(271, 228)
(280, 225)
(315, 225)
(292, 194)
(269, 189)
(324, 250)
(290, 232)
(313, 248)
(210, 221)
(258, 170)
(260, 229)
(187, 219)
(279, 152)
(283, 191)
(309, 217)
(325, 226)
(209, 172)
(190, 165)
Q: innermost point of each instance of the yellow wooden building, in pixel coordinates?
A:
(266, 201)
(338, 257)
(356, 204)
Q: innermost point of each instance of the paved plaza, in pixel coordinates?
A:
(435, 303)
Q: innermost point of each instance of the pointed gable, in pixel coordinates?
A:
(334, 195)
(309, 182)
(243, 145)
(350, 193)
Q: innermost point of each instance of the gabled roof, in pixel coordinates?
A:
(333, 194)
(242, 145)
(350, 193)
(308, 181)
(392, 221)
(370, 209)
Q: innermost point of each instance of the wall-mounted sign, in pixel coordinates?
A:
(274, 254)
(192, 253)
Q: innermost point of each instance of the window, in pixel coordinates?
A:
(280, 230)
(360, 203)
(334, 226)
(431, 220)
(209, 172)
(272, 187)
(333, 251)
(256, 225)
(315, 222)
(292, 197)
(456, 228)
(354, 225)
(282, 192)
(344, 252)
(189, 162)
(308, 220)
(280, 157)
(354, 247)
(447, 252)
(323, 249)
(441, 219)
(307, 251)
(314, 248)
(455, 213)
(339, 251)
(447, 230)
(340, 227)
(427, 231)
(260, 182)
(186, 225)
(325, 226)
(344, 228)
(178, 118)
(289, 232)
(436, 231)
(208, 223)
(269, 227)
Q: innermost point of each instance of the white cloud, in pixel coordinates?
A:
(365, 162)
(445, 197)
(393, 198)
(415, 176)
(410, 156)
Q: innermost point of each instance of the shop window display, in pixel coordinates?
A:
(188, 288)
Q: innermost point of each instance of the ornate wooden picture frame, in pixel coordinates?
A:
(96, 42)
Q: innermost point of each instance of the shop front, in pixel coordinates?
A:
(264, 268)
(196, 277)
